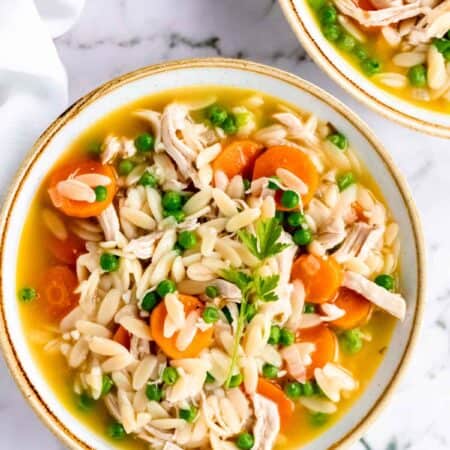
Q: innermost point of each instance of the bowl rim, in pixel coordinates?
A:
(336, 74)
(6, 342)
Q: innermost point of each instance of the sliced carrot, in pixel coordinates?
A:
(237, 158)
(66, 251)
(202, 339)
(82, 209)
(284, 403)
(122, 336)
(291, 159)
(56, 291)
(367, 5)
(321, 277)
(325, 342)
(357, 309)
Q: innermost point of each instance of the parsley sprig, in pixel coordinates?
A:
(254, 286)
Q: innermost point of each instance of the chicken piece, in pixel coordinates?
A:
(332, 234)
(142, 247)
(434, 24)
(394, 304)
(297, 357)
(267, 423)
(361, 239)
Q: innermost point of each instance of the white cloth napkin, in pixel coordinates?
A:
(33, 81)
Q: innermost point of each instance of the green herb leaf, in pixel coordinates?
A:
(264, 287)
(265, 243)
(240, 279)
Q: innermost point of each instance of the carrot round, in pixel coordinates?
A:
(122, 336)
(291, 159)
(202, 339)
(321, 277)
(273, 392)
(325, 342)
(357, 309)
(82, 209)
(67, 250)
(56, 291)
(237, 158)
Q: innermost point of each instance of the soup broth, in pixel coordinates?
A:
(359, 347)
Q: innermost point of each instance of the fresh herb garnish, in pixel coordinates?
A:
(264, 243)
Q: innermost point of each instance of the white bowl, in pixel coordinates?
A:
(304, 24)
(128, 88)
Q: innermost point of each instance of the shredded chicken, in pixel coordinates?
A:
(394, 304)
(267, 423)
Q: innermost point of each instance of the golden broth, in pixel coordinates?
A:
(34, 258)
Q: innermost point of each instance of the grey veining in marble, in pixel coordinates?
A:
(117, 36)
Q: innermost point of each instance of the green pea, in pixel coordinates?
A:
(148, 179)
(209, 378)
(370, 66)
(308, 389)
(189, 414)
(227, 314)
(339, 140)
(247, 184)
(269, 371)
(442, 44)
(85, 402)
(332, 32)
(107, 385)
(287, 337)
(290, 199)
(165, 287)
(328, 15)
(235, 381)
(351, 341)
(170, 375)
(303, 236)
(149, 301)
(279, 215)
(293, 390)
(216, 115)
(318, 419)
(187, 239)
(345, 180)
(144, 143)
(346, 42)
(309, 308)
(360, 52)
(245, 441)
(229, 125)
(154, 392)
(417, 75)
(125, 167)
(179, 215)
(27, 294)
(275, 333)
(210, 314)
(386, 281)
(316, 4)
(296, 219)
(250, 311)
(212, 291)
(274, 183)
(116, 431)
(109, 262)
(100, 193)
(172, 201)
(95, 148)
(242, 119)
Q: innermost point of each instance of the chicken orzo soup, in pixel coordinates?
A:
(403, 46)
(213, 270)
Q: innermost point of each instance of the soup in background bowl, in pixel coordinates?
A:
(392, 56)
(216, 266)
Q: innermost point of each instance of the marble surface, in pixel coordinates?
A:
(117, 36)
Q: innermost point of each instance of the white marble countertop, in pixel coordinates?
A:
(117, 36)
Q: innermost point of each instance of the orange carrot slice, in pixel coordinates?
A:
(357, 309)
(82, 209)
(273, 392)
(202, 339)
(237, 158)
(321, 277)
(66, 251)
(122, 336)
(56, 291)
(325, 342)
(291, 159)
